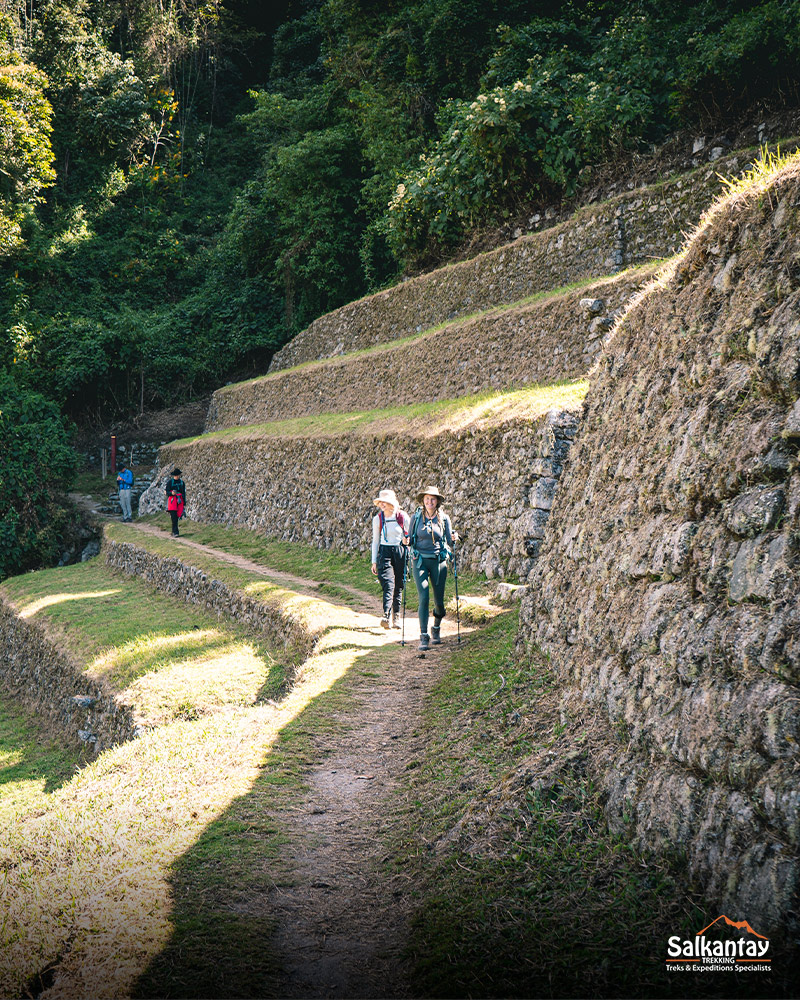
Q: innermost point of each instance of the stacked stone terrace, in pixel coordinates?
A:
(387, 391)
(667, 594)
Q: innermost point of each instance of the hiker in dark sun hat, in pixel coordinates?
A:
(176, 499)
(430, 539)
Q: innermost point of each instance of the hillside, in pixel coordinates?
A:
(546, 798)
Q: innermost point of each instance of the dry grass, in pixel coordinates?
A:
(86, 880)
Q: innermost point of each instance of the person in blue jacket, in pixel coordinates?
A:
(430, 539)
(124, 485)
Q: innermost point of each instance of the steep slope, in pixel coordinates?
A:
(667, 591)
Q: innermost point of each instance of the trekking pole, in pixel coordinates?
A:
(455, 578)
(405, 577)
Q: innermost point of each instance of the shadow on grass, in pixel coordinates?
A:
(28, 754)
(482, 925)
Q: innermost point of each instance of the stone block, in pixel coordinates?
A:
(756, 511)
(759, 569)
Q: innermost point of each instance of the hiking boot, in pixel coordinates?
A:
(385, 621)
(436, 635)
(395, 621)
(424, 641)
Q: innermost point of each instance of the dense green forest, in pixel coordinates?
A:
(184, 184)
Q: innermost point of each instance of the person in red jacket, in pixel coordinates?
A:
(176, 498)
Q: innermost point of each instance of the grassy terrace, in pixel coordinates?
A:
(336, 574)
(484, 410)
(154, 859)
(392, 345)
(170, 659)
(94, 856)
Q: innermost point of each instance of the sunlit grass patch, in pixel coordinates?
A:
(767, 165)
(126, 632)
(151, 867)
(189, 674)
(34, 607)
(93, 870)
(418, 419)
(96, 610)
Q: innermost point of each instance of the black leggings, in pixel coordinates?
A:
(391, 568)
(174, 515)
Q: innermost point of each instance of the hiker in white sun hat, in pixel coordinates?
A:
(389, 530)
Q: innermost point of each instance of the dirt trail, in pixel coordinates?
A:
(366, 601)
(342, 920)
(342, 925)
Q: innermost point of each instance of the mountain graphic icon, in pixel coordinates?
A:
(740, 925)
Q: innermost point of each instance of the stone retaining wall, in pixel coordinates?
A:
(43, 679)
(499, 483)
(667, 593)
(283, 629)
(544, 342)
(636, 227)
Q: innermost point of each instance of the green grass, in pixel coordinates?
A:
(325, 567)
(297, 558)
(530, 402)
(120, 629)
(525, 892)
(31, 765)
(198, 802)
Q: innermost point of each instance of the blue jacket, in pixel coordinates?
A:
(126, 479)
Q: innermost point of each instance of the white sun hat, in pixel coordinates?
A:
(387, 496)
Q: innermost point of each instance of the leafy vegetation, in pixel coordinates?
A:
(215, 176)
(36, 465)
(185, 185)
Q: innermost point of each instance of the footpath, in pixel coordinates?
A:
(340, 916)
(339, 913)
(213, 833)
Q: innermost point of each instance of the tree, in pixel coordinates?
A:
(36, 466)
(26, 156)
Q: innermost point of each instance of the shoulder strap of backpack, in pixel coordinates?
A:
(412, 535)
